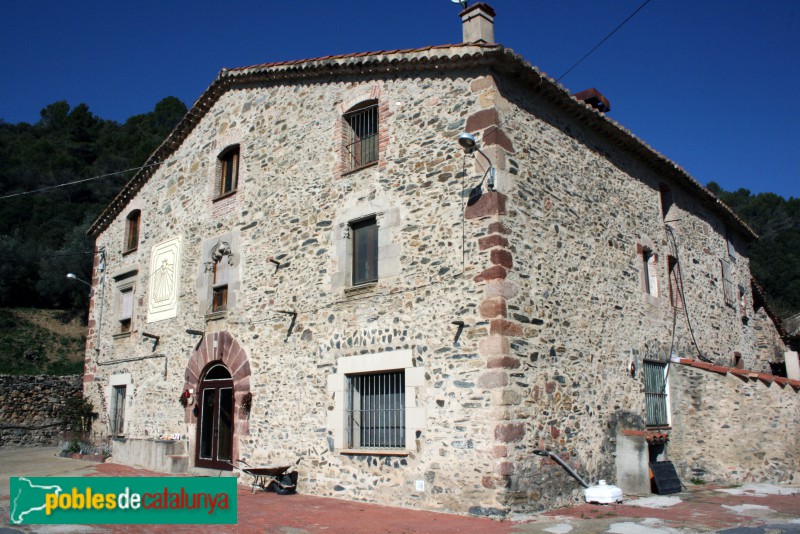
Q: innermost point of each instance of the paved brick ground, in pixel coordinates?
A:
(755, 510)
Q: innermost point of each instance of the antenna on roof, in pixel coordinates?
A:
(462, 2)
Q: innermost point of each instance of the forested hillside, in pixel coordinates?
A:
(775, 257)
(43, 235)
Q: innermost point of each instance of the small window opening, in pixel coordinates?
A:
(118, 416)
(229, 171)
(376, 411)
(650, 269)
(361, 135)
(125, 310)
(365, 250)
(675, 282)
(132, 231)
(666, 202)
(219, 299)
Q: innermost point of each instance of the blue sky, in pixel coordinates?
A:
(711, 84)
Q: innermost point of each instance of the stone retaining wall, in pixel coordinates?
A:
(30, 407)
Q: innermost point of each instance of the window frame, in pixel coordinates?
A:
(228, 159)
(368, 272)
(650, 271)
(675, 282)
(657, 410)
(119, 393)
(219, 287)
(125, 316)
(132, 226)
(367, 398)
(361, 135)
(728, 287)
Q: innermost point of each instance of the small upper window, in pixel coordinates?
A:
(365, 250)
(229, 171)
(650, 271)
(675, 282)
(361, 135)
(219, 299)
(728, 288)
(132, 230)
(666, 202)
(125, 310)
(118, 412)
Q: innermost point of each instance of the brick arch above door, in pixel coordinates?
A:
(220, 347)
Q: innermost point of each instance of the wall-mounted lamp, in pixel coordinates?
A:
(470, 146)
(73, 277)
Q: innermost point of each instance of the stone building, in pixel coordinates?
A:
(306, 272)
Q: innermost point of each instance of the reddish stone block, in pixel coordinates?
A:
(243, 371)
(486, 82)
(492, 241)
(494, 345)
(501, 257)
(493, 379)
(495, 307)
(498, 137)
(550, 387)
(505, 362)
(495, 272)
(88, 378)
(482, 119)
(500, 451)
(504, 327)
(488, 482)
(489, 203)
(554, 432)
(505, 468)
(499, 228)
(242, 384)
(509, 432)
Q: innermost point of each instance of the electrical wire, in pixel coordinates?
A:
(78, 181)
(590, 52)
(606, 38)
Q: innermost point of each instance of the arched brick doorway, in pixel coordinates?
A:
(222, 348)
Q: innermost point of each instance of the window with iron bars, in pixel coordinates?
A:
(361, 135)
(655, 393)
(376, 411)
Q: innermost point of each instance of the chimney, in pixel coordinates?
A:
(594, 98)
(477, 24)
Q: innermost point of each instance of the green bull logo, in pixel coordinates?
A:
(123, 500)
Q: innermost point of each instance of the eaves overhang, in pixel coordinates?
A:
(430, 59)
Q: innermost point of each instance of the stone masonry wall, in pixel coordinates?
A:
(733, 430)
(292, 206)
(579, 323)
(523, 312)
(30, 408)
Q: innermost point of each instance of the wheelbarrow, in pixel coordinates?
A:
(278, 479)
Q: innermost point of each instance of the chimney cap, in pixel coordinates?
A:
(482, 6)
(594, 98)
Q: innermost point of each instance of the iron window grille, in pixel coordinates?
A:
(365, 250)
(118, 419)
(376, 411)
(361, 136)
(229, 171)
(655, 393)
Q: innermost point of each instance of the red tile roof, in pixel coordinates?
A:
(744, 374)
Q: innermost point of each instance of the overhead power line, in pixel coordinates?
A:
(606, 38)
(77, 181)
